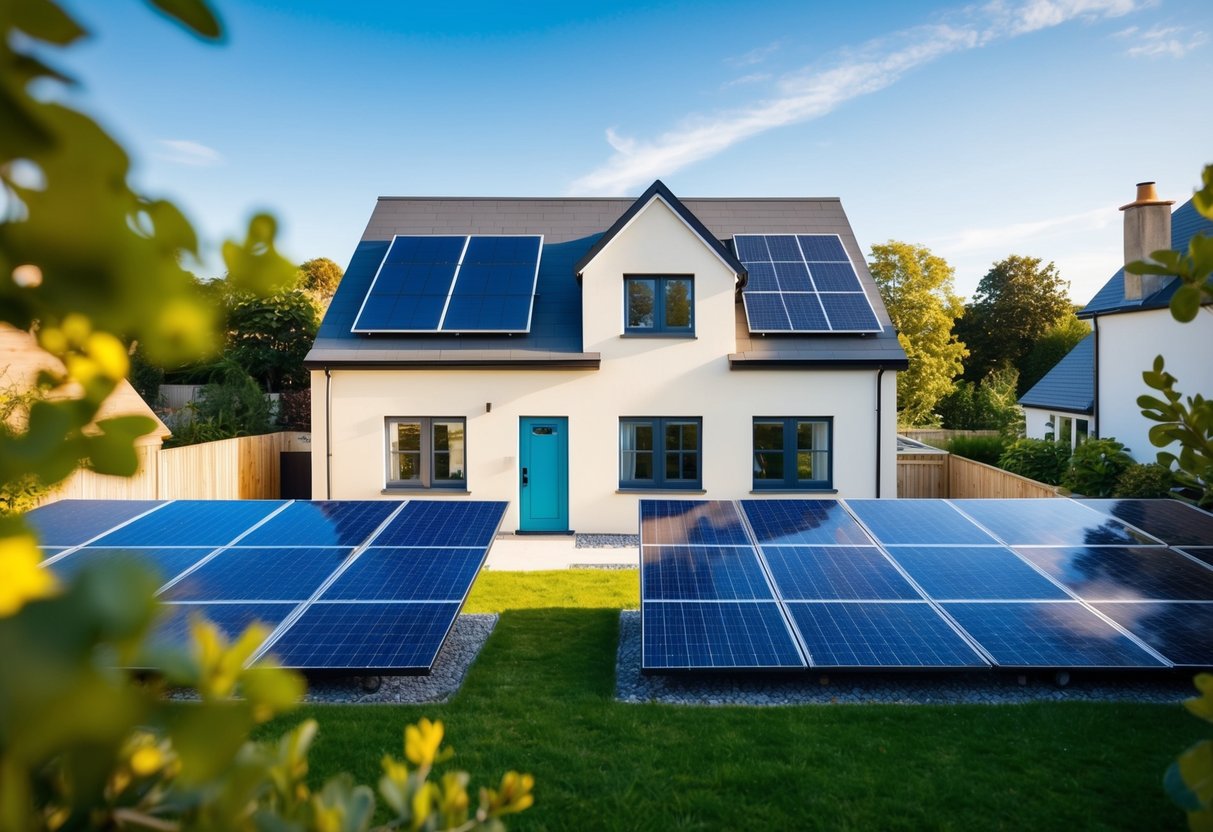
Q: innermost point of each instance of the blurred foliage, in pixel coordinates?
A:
(1096, 466)
(295, 409)
(1189, 780)
(1037, 459)
(917, 288)
(990, 405)
(1144, 481)
(21, 493)
(145, 377)
(1049, 348)
(987, 449)
(1017, 302)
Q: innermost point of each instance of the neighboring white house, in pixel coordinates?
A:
(1097, 384)
(575, 355)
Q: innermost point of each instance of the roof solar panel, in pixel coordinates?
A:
(1061, 634)
(849, 312)
(974, 573)
(374, 636)
(761, 277)
(166, 563)
(691, 523)
(803, 523)
(765, 312)
(834, 277)
(495, 287)
(1182, 633)
(751, 248)
(72, 522)
(173, 629)
(259, 575)
(735, 635)
(805, 312)
(457, 523)
(823, 573)
(193, 523)
(1171, 521)
(858, 635)
(1102, 573)
(822, 248)
(1204, 554)
(701, 573)
(322, 523)
(408, 575)
(908, 522)
(784, 247)
(410, 289)
(793, 277)
(1049, 522)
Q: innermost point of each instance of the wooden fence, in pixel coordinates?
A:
(927, 475)
(244, 468)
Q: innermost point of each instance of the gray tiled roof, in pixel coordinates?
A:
(570, 227)
(1070, 385)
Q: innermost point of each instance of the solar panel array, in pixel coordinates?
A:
(802, 283)
(454, 284)
(356, 586)
(925, 584)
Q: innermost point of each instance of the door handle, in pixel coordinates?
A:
(524, 477)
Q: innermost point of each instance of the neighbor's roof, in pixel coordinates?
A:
(1186, 222)
(1070, 385)
(571, 227)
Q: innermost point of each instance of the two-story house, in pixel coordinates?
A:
(573, 355)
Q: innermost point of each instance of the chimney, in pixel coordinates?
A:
(1147, 230)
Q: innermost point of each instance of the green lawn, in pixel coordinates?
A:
(539, 699)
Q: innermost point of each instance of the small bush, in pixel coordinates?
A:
(232, 404)
(1036, 459)
(1147, 481)
(1096, 466)
(987, 449)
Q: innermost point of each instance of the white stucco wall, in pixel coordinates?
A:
(1128, 344)
(1035, 422)
(639, 376)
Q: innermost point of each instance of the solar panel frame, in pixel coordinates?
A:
(752, 622)
(702, 573)
(521, 298)
(360, 327)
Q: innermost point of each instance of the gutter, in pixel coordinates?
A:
(879, 398)
(328, 434)
(1095, 400)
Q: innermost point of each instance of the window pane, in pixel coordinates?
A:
(408, 436)
(643, 466)
(448, 451)
(408, 466)
(641, 295)
(672, 465)
(690, 466)
(768, 465)
(812, 436)
(677, 303)
(768, 436)
(644, 437)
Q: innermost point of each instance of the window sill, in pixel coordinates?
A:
(660, 491)
(404, 489)
(685, 336)
(793, 490)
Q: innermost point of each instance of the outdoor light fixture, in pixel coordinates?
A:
(488, 407)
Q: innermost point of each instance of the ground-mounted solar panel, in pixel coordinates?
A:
(367, 637)
(1204, 554)
(455, 523)
(1173, 522)
(701, 573)
(974, 573)
(1050, 522)
(495, 287)
(322, 523)
(721, 635)
(802, 283)
(1059, 634)
(193, 523)
(916, 522)
(1181, 632)
(691, 523)
(259, 574)
(824, 573)
(405, 574)
(803, 523)
(172, 630)
(165, 562)
(856, 636)
(410, 290)
(73, 522)
(1104, 573)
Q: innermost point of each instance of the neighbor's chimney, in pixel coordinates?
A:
(1147, 230)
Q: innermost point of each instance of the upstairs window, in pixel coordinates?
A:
(660, 453)
(426, 453)
(659, 305)
(792, 453)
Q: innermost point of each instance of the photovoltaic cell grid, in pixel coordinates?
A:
(803, 523)
(477, 283)
(1183, 633)
(701, 573)
(802, 283)
(1100, 573)
(857, 635)
(1050, 522)
(830, 573)
(412, 591)
(1171, 521)
(974, 573)
(914, 522)
(746, 635)
(72, 522)
(691, 523)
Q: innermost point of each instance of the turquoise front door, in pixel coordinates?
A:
(543, 474)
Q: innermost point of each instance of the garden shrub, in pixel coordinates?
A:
(1148, 481)
(1095, 467)
(1036, 459)
(987, 449)
(295, 409)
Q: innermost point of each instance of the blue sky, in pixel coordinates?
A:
(979, 130)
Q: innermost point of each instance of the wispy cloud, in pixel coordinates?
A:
(1002, 237)
(1163, 41)
(189, 153)
(812, 93)
(754, 56)
(752, 78)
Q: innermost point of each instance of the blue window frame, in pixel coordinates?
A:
(656, 305)
(661, 453)
(793, 452)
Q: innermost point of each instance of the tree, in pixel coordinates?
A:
(1051, 347)
(319, 277)
(1015, 304)
(270, 336)
(917, 289)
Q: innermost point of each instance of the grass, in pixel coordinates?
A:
(539, 699)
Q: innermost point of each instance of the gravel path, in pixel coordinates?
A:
(608, 541)
(983, 688)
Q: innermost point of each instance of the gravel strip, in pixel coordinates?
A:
(608, 541)
(908, 688)
(461, 648)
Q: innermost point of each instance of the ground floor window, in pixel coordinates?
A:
(660, 452)
(793, 452)
(425, 452)
(1068, 429)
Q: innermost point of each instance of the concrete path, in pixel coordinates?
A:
(521, 553)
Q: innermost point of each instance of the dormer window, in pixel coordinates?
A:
(659, 305)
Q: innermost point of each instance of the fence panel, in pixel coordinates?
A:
(922, 476)
(968, 479)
